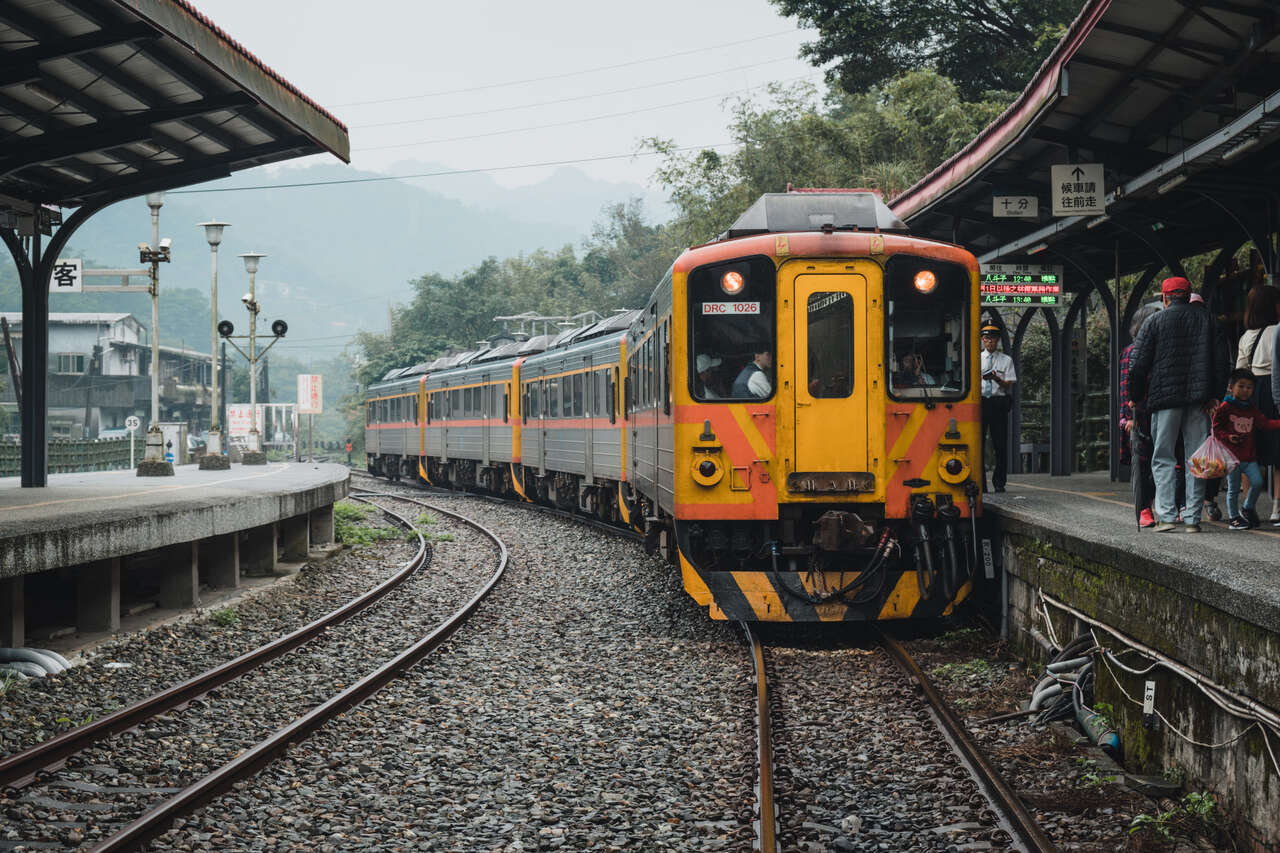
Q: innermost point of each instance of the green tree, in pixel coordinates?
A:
(982, 45)
(885, 140)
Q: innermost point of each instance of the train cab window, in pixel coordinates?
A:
(926, 328)
(830, 358)
(733, 330)
(506, 401)
(610, 394)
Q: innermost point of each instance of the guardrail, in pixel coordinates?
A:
(68, 455)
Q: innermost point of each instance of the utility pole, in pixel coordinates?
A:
(153, 462)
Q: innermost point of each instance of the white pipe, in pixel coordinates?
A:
(47, 663)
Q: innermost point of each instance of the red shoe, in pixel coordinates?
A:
(1146, 519)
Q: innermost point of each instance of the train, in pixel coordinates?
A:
(792, 420)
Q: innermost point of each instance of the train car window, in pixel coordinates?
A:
(666, 367)
(830, 358)
(506, 401)
(733, 330)
(927, 334)
(553, 398)
(579, 399)
(611, 384)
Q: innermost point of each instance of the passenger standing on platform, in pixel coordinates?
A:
(1175, 366)
(1257, 344)
(1236, 423)
(998, 377)
(1135, 422)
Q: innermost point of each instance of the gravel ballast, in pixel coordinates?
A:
(588, 705)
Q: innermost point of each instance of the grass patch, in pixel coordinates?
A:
(972, 670)
(225, 617)
(351, 527)
(1196, 814)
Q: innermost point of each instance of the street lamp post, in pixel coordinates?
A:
(254, 455)
(250, 300)
(213, 458)
(156, 252)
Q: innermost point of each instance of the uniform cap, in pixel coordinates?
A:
(991, 329)
(706, 362)
(1177, 284)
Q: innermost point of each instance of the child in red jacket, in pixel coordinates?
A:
(1234, 422)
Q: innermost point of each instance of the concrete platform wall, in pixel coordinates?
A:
(1156, 606)
(200, 536)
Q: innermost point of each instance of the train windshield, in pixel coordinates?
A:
(927, 321)
(732, 308)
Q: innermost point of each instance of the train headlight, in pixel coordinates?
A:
(732, 282)
(926, 281)
(953, 467)
(706, 469)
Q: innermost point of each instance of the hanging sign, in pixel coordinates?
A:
(1021, 285)
(1078, 189)
(67, 276)
(310, 395)
(1015, 207)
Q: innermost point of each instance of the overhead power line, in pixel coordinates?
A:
(562, 75)
(573, 98)
(573, 121)
(379, 178)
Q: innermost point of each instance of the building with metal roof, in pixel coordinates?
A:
(1180, 103)
(103, 100)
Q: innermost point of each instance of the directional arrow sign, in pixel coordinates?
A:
(1077, 189)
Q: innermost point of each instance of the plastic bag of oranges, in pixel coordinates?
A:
(1212, 460)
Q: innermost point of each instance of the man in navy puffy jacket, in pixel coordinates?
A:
(1175, 365)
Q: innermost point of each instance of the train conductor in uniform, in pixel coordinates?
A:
(998, 377)
(753, 381)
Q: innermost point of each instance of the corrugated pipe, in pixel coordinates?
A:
(42, 661)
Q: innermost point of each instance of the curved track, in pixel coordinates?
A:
(1011, 815)
(44, 759)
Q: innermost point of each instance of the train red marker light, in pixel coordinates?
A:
(732, 282)
(926, 281)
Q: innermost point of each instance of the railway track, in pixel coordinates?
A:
(64, 765)
(858, 712)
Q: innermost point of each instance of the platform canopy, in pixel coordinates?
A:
(1179, 102)
(103, 100)
(1178, 99)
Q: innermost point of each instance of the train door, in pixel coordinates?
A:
(831, 390)
(590, 407)
(486, 412)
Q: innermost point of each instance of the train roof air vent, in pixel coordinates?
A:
(816, 211)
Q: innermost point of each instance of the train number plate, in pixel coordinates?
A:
(830, 482)
(730, 308)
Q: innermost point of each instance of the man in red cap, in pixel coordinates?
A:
(1175, 365)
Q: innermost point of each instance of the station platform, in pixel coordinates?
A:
(1233, 570)
(1184, 619)
(73, 553)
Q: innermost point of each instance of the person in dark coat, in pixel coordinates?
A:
(1135, 423)
(1176, 367)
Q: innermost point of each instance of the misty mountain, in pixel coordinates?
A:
(338, 256)
(568, 197)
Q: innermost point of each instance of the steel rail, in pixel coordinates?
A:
(1014, 817)
(21, 768)
(589, 521)
(766, 824)
(157, 820)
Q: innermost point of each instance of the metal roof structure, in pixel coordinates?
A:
(1179, 100)
(103, 100)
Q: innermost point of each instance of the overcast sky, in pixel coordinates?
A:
(414, 57)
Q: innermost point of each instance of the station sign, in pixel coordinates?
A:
(310, 394)
(1078, 189)
(1015, 207)
(1021, 285)
(240, 418)
(67, 276)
